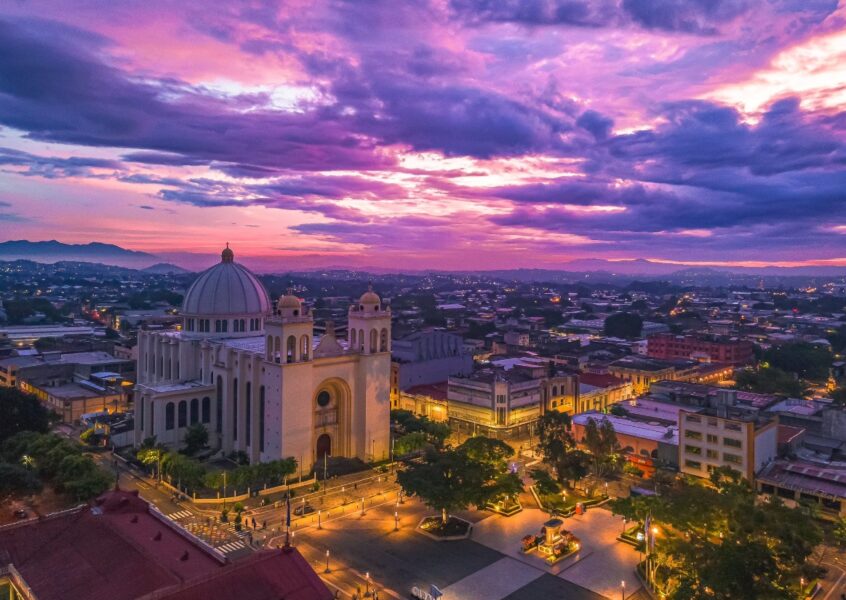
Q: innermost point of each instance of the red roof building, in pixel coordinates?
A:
(667, 346)
(123, 548)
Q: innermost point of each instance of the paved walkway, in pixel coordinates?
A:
(600, 566)
(494, 582)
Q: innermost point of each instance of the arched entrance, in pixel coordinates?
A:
(324, 446)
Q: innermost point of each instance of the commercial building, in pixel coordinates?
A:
(647, 445)
(597, 392)
(726, 434)
(731, 351)
(427, 357)
(506, 401)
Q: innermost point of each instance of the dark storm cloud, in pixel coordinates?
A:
(60, 93)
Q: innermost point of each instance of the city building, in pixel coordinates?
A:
(730, 351)
(597, 392)
(641, 372)
(506, 401)
(726, 434)
(260, 380)
(427, 357)
(647, 445)
(429, 400)
(122, 548)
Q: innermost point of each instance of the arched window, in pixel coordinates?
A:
(268, 354)
(352, 339)
(182, 414)
(225, 325)
(361, 340)
(241, 324)
(235, 409)
(169, 416)
(218, 405)
(323, 399)
(261, 419)
(206, 410)
(374, 340)
(161, 363)
(291, 353)
(383, 341)
(555, 390)
(277, 357)
(195, 411)
(304, 347)
(248, 416)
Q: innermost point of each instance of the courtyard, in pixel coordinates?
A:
(365, 551)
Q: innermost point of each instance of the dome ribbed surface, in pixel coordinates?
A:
(226, 289)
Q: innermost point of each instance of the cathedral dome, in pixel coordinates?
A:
(369, 297)
(289, 300)
(226, 289)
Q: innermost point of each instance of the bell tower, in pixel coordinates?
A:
(369, 335)
(288, 333)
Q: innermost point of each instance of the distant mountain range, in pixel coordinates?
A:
(53, 251)
(591, 270)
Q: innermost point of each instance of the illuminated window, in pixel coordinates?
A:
(323, 398)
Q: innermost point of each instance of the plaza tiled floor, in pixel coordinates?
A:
(600, 566)
(497, 580)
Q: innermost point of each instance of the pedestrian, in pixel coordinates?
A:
(264, 524)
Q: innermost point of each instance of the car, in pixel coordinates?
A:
(303, 509)
(21, 514)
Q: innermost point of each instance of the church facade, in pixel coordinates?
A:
(255, 376)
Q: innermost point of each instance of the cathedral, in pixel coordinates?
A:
(259, 379)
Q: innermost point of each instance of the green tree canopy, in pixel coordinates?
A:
(719, 542)
(770, 380)
(601, 441)
(623, 325)
(20, 411)
(196, 438)
(808, 361)
(474, 473)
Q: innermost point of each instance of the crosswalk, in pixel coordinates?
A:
(232, 547)
(182, 514)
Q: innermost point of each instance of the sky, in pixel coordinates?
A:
(448, 134)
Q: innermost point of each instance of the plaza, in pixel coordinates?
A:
(366, 552)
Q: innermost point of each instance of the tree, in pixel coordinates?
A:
(474, 473)
(601, 441)
(623, 325)
(839, 531)
(544, 482)
(769, 380)
(573, 466)
(20, 411)
(196, 438)
(410, 442)
(183, 471)
(17, 480)
(445, 481)
(839, 396)
(720, 542)
(808, 361)
(407, 422)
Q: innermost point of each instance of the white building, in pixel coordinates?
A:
(258, 379)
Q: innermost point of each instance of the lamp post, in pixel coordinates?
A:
(362, 506)
(319, 524)
(623, 590)
(396, 521)
(367, 583)
(327, 569)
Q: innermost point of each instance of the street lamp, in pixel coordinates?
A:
(623, 590)
(367, 583)
(362, 506)
(319, 524)
(396, 521)
(327, 569)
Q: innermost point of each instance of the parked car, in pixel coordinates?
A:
(303, 509)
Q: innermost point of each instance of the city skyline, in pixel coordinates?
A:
(446, 135)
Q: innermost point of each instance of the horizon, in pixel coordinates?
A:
(453, 135)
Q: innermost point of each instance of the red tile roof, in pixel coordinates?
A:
(120, 548)
(437, 391)
(600, 380)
